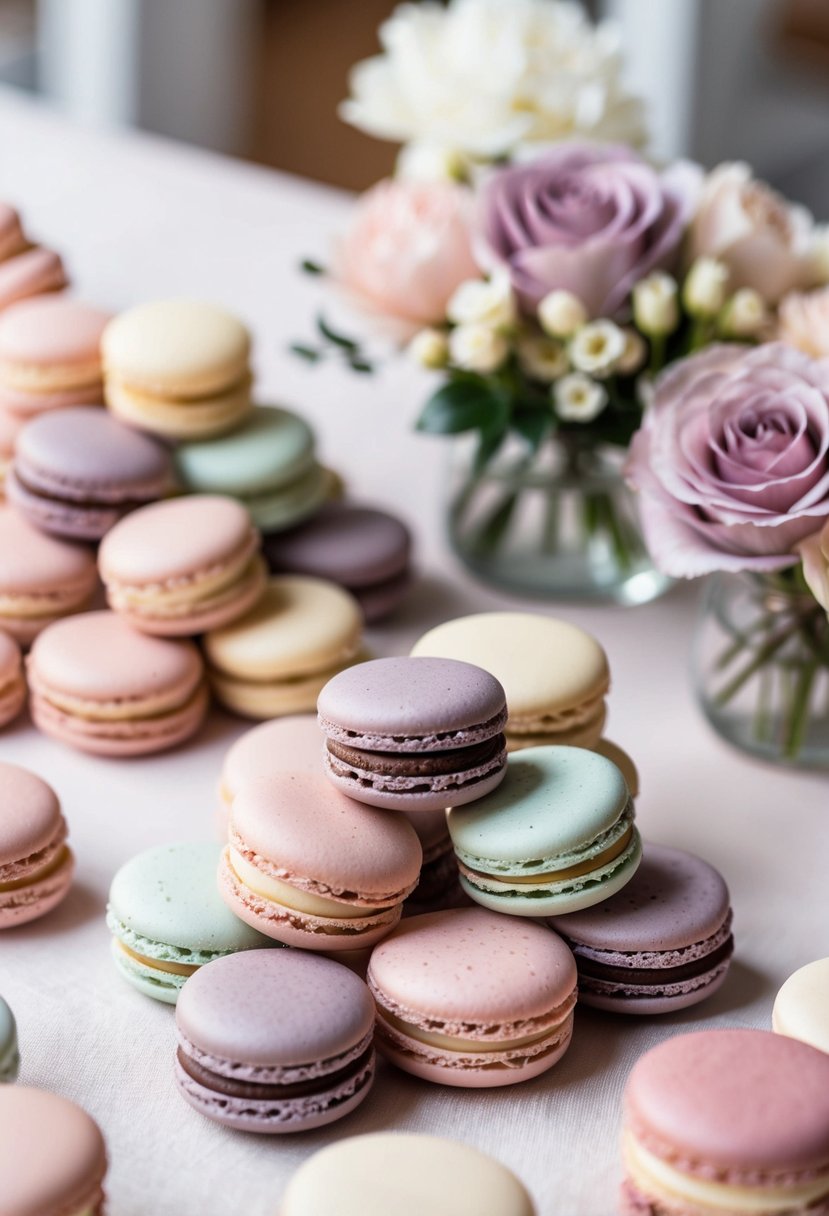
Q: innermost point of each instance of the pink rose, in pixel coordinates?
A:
(406, 250)
(804, 322)
(766, 242)
(731, 459)
(590, 220)
(814, 551)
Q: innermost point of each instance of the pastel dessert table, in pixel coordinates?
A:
(142, 219)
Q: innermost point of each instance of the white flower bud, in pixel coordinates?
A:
(634, 355)
(542, 358)
(477, 348)
(703, 292)
(430, 348)
(744, 315)
(596, 348)
(655, 307)
(431, 162)
(577, 398)
(561, 313)
(488, 301)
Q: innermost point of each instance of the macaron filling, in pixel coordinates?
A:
(558, 722)
(155, 962)
(202, 590)
(446, 772)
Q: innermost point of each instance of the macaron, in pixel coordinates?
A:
(12, 237)
(10, 428)
(9, 1052)
(420, 1174)
(801, 1009)
(31, 273)
(438, 885)
(268, 462)
(309, 867)
(414, 734)
(104, 688)
(12, 680)
(50, 354)
(274, 1041)
(276, 658)
(77, 471)
(36, 865)
(557, 836)
(178, 368)
(364, 550)
(554, 674)
(183, 566)
(53, 1158)
(41, 578)
(662, 943)
(284, 745)
(473, 999)
(727, 1121)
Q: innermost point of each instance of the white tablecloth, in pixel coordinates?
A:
(140, 219)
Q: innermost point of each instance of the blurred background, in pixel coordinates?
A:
(261, 79)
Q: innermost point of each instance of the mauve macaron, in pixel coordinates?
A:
(105, 688)
(12, 680)
(438, 886)
(31, 273)
(414, 734)
(312, 868)
(36, 866)
(661, 943)
(180, 567)
(727, 1121)
(41, 578)
(365, 550)
(473, 999)
(50, 354)
(274, 1041)
(77, 471)
(52, 1156)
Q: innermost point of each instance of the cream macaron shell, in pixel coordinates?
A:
(554, 674)
(801, 1009)
(276, 659)
(41, 578)
(182, 566)
(12, 680)
(405, 1174)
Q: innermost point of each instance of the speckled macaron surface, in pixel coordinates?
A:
(801, 1009)
(9, 1053)
(52, 1155)
(168, 919)
(556, 836)
(727, 1121)
(414, 733)
(663, 942)
(473, 999)
(275, 1041)
(36, 866)
(418, 1175)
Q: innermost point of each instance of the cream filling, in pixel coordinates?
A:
(448, 1042)
(185, 592)
(49, 604)
(291, 897)
(117, 711)
(51, 867)
(157, 964)
(578, 871)
(659, 1179)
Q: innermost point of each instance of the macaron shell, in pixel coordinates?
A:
(290, 696)
(32, 273)
(380, 601)
(41, 577)
(12, 682)
(459, 789)
(202, 418)
(233, 602)
(292, 744)
(12, 237)
(69, 521)
(25, 405)
(51, 342)
(684, 996)
(52, 1155)
(31, 814)
(355, 546)
(38, 897)
(801, 1009)
(584, 733)
(441, 1073)
(282, 508)
(271, 451)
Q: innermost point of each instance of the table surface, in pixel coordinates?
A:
(139, 219)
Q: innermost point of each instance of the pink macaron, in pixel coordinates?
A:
(36, 866)
(310, 867)
(31, 273)
(50, 354)
(472, 998)
(283, 745)
(274, 1041)
(12, 680)
(12, 238)
(104, 688)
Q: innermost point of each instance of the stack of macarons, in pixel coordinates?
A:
(26, 269)
(36, 864)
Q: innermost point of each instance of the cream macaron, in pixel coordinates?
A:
(276, 659)
(178, 368)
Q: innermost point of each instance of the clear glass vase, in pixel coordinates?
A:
(761, 667)
(559, 523)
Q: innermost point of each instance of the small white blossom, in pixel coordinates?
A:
(703, 292)
(744, 315)
(542, 358)
(577, 398)
(655, 307)
(596, 348)
(431, 162)
(634, 355)
(561, 313)
(430, 348)
(477, 348)
(488, 301)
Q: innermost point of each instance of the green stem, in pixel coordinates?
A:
(741, 640)
(657, 360)
(799, 717)
(621, 550)
(761, 657)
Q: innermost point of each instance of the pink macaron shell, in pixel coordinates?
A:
(12, 238)
(292, 744)
(26, 405)
(51, 330)
(35, 899)
(32, 273)
(31, 816)
(32, 564)
(237, 600)
(10, 427)
(747, 1107)
(12, 683)
(52, 1155)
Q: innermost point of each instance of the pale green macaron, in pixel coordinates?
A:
(167, 918)
(9, 1054)
(268, 463)
(556, 836)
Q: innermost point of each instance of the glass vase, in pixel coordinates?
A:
(761, 667)
(559, 523)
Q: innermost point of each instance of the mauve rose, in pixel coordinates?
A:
(731, 459)
(407, 248)
(588, 219)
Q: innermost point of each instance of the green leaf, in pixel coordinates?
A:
(533, 425)
(360, 365)
(489, 441)
(464, 405)
(309, 353)
(309, 267)
(331, 335)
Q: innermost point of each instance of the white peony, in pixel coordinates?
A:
(490, 301)
(484, 79)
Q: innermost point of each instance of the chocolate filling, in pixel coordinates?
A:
(590, 969)
(425, 764)
(252, 1091)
